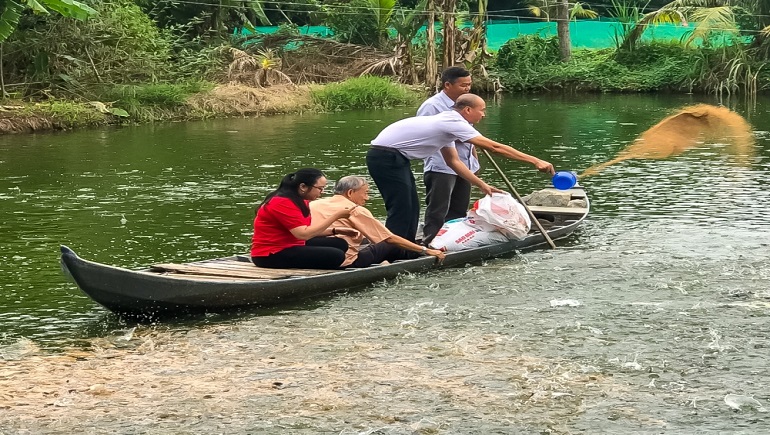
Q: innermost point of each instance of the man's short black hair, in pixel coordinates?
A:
(453, 73)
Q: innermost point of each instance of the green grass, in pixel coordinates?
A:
(66, 114)
(367, 92)
(152, 101)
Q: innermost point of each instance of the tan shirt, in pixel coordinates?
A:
(360, 219)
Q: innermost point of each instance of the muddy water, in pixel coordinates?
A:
(652, 319)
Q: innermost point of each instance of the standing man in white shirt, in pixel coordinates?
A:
(447, 195)
(418, 137)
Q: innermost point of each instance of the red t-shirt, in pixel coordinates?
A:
(272, 225)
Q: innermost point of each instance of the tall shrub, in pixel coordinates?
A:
(119, 44)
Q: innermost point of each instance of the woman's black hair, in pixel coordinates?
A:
(290, 185)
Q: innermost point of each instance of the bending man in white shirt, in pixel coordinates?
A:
(389, 156)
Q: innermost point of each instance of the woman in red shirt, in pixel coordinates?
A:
(285, 238)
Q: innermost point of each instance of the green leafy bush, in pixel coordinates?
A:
(120, 44)
(528, 52)
(524, 62)
(365, 92)
(650, 67)
(352, 21)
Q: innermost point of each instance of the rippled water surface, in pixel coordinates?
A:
(653, 318)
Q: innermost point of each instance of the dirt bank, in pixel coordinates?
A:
(222, 101)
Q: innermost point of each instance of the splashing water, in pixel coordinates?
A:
(740, 402)
(689, 127)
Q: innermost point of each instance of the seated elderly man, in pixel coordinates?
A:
(383, 245)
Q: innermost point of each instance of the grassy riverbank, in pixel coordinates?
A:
(527, 64)
(219, 101)
(204, 100)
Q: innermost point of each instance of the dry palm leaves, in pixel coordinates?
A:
(308, 59)
(261, 70)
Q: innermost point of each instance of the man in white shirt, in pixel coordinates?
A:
(447, 195)
(418, 137)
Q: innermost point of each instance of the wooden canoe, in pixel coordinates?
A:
(168, 290)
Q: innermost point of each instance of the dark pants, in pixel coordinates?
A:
(447, 197)
(318, 253)
(393, 176)
(379, 252)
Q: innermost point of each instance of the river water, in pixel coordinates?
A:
(653, 318)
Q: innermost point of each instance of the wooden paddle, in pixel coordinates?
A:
(516, 194)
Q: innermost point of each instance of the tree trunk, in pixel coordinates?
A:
(562, 30)
(431, 68)
(449, 8)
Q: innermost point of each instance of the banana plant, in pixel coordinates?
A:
(11, 10)
(242, 9)
(383, 12)
(407, 23)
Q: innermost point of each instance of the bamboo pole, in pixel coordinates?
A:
(431, 69)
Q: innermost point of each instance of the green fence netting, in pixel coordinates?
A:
(584, 33)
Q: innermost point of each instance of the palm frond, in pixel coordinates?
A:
(537, 11)
(693, 4)
(243, 64)
(667, 16)
(661, 16)
(710, 20)
(578, 11)
(384, 67)
(382, 11)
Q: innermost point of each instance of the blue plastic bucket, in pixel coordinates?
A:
(564, 180)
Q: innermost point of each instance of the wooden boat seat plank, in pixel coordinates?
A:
(574, 193)
(558, 210)
(224, 265)
(257, 272)
(239, 265)
(193, 277)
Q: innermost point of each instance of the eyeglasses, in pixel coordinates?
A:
(320, 188)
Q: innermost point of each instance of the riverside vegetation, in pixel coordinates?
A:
(134, 61)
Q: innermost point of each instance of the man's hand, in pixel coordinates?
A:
(544, 166)
(488, 190)
(440, 255)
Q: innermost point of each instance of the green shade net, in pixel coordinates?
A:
(584, 34)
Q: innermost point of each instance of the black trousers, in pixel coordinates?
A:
(447, 197)
(393, 176)
(318, 253)
(379, 252)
